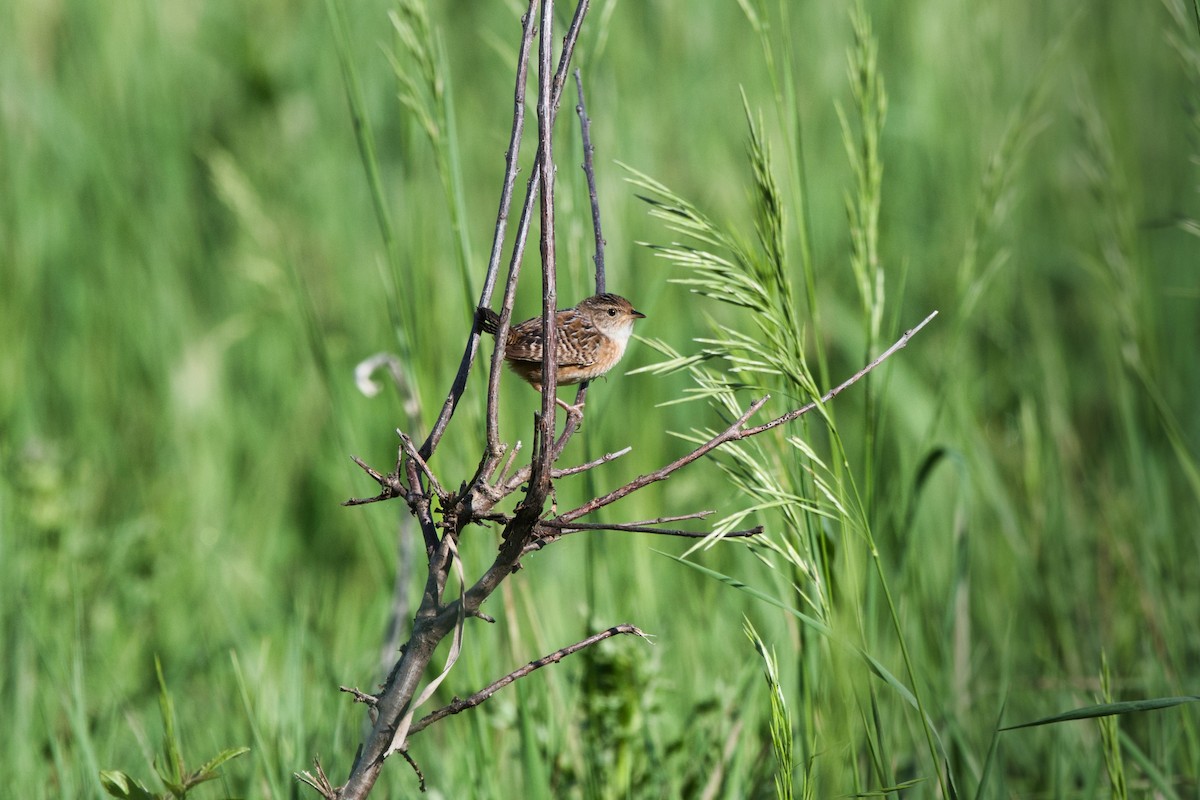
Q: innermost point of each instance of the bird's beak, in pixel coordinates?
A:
(637, 314)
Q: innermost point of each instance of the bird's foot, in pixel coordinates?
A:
(572, 410)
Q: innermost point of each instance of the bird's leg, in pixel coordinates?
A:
(572, 410)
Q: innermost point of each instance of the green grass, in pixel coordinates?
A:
(191, 265)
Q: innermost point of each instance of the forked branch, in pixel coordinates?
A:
(444, 512)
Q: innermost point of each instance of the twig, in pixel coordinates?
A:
(736, 432)
(320, 781)
(558, 530)
(504, 519)
(468, 359)
(360, 696)
(674, 518)
(493, 268)
(730, 434)
(585, 130)
(369, 700)
(514, 481)
(846, 384)
(522, 234)
(539, 477)
(420, 775)
(604, 459)
(512, 457)
(457, 706)
(432, 623)
(391, 486)
(510, 177)
(421, 509)
(410, 450)
(573, 421)
(561, 529)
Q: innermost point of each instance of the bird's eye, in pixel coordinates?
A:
(612, 312)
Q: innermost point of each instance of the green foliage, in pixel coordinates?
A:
(781, 719)
(172, 772)
(192, 266)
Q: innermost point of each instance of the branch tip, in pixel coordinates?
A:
(359, 695)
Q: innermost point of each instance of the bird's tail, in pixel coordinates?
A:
(489, 321)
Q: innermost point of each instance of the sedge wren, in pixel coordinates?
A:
(591, 339)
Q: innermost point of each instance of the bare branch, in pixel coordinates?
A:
(421, 508)
(360, 696)
(504, 519)
(846, 384)
(557, 530)
(736, 432)
(518, 250)
(432, 624)
(493, 268)
(416, 769)
(410, 450)
(563, 528)
(457, 706)
(585, 130)
(539, 477)
(391, 486)
(468, 359)
(604, 459)
(521, 475)
(510, 177)
(573, 421)
(320, 781)
(674, 518)
(732, 433)
(512, 457)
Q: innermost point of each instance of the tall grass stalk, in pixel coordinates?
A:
(426, 93)
(1110, 736)
(364, 137)
(779, 58)
(758, 278)
(780, 720)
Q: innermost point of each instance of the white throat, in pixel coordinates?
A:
(621, 336)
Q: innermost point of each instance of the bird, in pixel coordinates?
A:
(591, 339)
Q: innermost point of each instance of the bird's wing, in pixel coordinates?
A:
(577, 344)
(581, 348)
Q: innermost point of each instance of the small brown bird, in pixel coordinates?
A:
(591, 340)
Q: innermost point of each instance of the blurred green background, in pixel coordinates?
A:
(191, 268)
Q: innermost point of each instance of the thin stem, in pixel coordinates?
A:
(510, 178)
(410, 450)
(604, 459)
(551, 531)
(585, 131)
(460, 380)
(457, 706)
(540, 476)
(735, 432)
(732, 433)
(518, 251)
